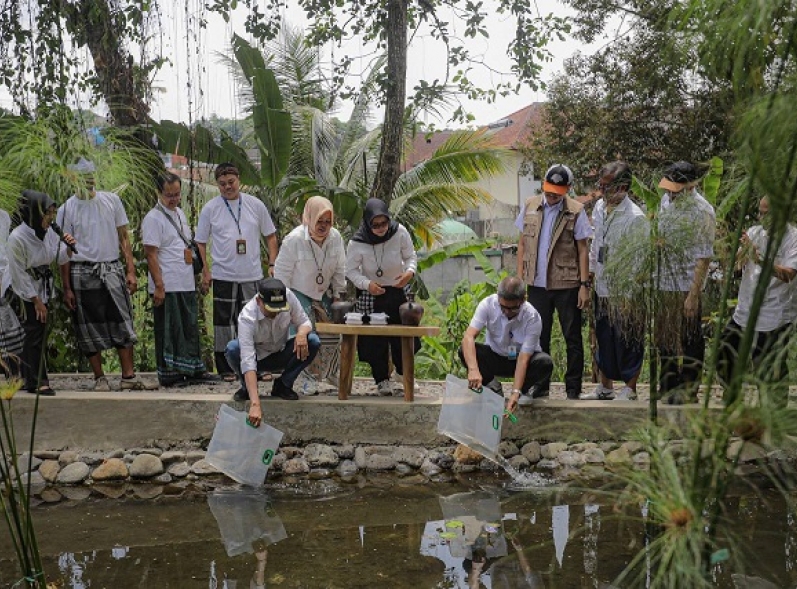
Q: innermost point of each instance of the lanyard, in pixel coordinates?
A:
(229, 208)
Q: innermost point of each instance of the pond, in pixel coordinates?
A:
(376, 532)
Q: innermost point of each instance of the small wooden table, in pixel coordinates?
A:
(348, 346)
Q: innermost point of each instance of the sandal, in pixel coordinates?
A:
(44, 391)
(265, 377)
(228, 377)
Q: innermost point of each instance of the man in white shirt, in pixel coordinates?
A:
(97, 288)
(233, 222)
(776, 315)
(687, 225)
(512, 344)
(166, 236)
(264, 344)
(621, 232)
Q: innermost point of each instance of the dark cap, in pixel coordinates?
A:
(558, 179)
(273, 294)
(678, 176)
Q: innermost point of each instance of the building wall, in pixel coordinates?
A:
(445, 275)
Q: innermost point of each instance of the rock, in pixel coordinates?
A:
(583, 446)
(607, 446)
(73, 473)
(292, 451)
(145, 491)
(36, 479)
(318, 474)
(618, 456)
(404, 469)
(67, 457)
(463, 468)
(380, 462)
(410, 456)
(508, 449)
(175, 488)
(633, 447)
(594, 456)
(489, 466)
(111, 491)
(76, 493)
(172, 456)
(429, 468)
(154, 451)
(569, 458)
(50, 495)
(547, 464)
(49, 470)
(752, 452)
(203, 467)
(163, 479)
(320, 455)
(113, 469)
(442, 459)
(47, 454)
(360, 457)
(278, 460)
(465, 455)
(115, 454)
(129, 458)
(532, 452)
(22, 462)
(641, 458)
(295, 466)
(145, 466)
(191, 477)
(519, 462)
(92, 458)
(552, 450)
(194, 456)
(179, 469)
(346, 451)
(347, 468)
(734, 448)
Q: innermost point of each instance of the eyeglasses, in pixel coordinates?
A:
(380, 225)
(511, 308)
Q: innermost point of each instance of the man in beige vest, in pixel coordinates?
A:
(553, 261)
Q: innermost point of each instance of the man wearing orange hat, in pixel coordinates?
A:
(553, 261)
(686, 235)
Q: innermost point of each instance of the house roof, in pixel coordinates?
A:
(509, 132)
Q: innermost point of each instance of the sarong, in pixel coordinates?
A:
(326, 365)
(177, 349)
(228, 300)
(12, 336)
(104, 314)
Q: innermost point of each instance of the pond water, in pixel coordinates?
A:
(386, 533)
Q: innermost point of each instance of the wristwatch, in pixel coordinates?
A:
(516, 391)
(587, 283)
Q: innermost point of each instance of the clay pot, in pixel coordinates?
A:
(411, 312)
(339, 310)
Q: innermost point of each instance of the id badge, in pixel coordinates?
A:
(240, 247)
(512, 352)
(188, 256)
(602, 251)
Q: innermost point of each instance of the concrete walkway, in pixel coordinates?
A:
(80, 419)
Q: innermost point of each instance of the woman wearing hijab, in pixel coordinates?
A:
(380, 262)
(311, 262)
(32, 247)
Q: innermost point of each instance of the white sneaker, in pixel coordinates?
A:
(600, 393)
(626, 394)
(495, 385)
(399, 380)
(101, 384)
(305, 385)
(385, 388)
(525, 399)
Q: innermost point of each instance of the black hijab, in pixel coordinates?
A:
(32, 208)
(375, 208)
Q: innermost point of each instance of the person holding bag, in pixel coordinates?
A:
(166, 235)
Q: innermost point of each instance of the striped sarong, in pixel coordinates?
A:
(177, 350)
(12, 335)
(228, 300)
(103, 316)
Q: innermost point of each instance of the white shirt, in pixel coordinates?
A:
(301, 260)
(581, 231)
(26, 251)
(394, 256)
(686, 227)
(777, 308)
(523, 330)
(93, 223)
(157, 231)
(623, 232)
(5, 228)
(259, 336)
(219, 223)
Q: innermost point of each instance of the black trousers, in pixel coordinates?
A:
(374, 349)
(491, 364)
(33, 347)
(681, 350)
(565, 303)
(769, 354)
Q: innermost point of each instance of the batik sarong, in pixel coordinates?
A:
(104, 314)
(177, 349)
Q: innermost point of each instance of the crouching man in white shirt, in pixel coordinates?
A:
(512, 345)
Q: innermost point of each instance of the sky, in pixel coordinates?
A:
(425, 61)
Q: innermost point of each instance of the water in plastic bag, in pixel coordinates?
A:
(470, 418)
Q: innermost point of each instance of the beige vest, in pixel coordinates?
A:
(563, 271)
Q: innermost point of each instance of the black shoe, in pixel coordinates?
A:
(680, 398)
(241, 395)
(44, 391)
(281, 391)
(537, 393)
(573, 395)
(205, 378)
(177, 382)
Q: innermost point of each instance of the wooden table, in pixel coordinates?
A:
(348, 347)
